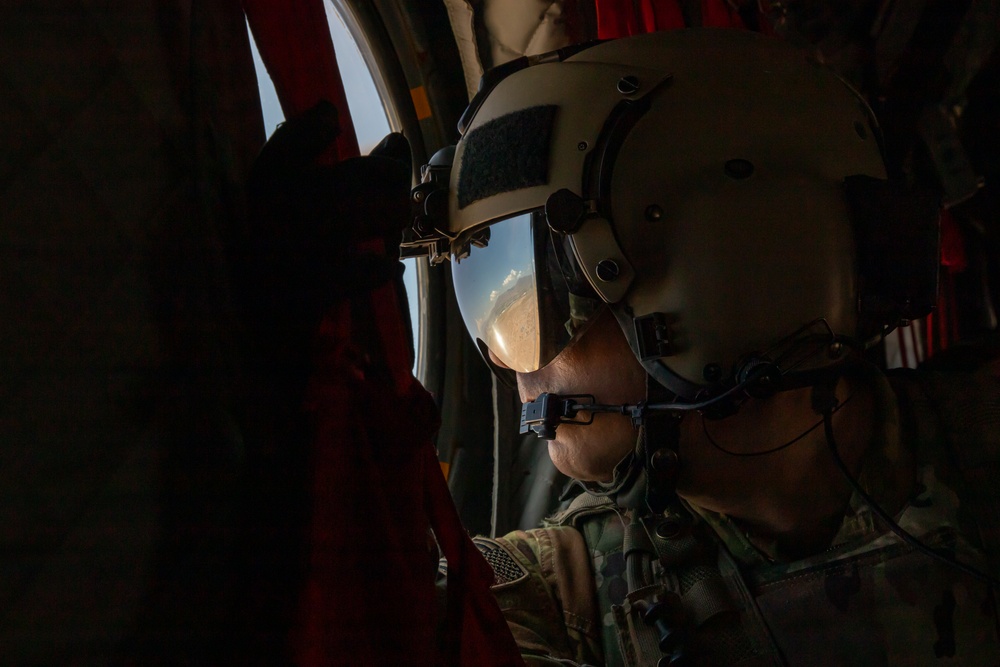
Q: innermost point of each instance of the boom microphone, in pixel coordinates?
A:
(544, 414)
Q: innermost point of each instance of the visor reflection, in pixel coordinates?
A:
(523, 295)
(497, 294)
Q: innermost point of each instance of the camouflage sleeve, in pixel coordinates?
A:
(545, 589)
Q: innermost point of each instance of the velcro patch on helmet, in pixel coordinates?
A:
(507, 153)
(506, 569)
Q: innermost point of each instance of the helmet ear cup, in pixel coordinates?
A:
(760, 377)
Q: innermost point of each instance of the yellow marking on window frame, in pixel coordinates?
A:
(420, 103)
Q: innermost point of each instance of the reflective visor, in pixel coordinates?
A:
(522, 294)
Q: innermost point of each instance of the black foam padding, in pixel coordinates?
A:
(508, 153)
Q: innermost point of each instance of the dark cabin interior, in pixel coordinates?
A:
(157, 473)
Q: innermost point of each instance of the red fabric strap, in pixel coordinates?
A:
(376, 486)
(294, 42)
(622, 18)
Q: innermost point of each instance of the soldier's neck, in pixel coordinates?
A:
(793, 498)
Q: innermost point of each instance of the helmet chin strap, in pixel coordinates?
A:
(755, 376)
(659, 448)
(658, 418)
(544, 414)
(655, 456)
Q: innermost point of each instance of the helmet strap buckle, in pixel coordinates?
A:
(659, 446)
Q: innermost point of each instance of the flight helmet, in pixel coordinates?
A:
(720, 191)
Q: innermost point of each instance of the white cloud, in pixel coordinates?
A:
(511, 278)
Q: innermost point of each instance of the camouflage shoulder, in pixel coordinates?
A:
(545, 589)
(581, 507)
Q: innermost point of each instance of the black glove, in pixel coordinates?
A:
(306, 221)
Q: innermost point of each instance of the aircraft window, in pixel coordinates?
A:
(374, 116)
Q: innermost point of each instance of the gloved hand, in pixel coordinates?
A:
(339, 463)
(300, 252)
(351, 467)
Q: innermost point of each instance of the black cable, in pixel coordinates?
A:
(888, 520)
(704, 427)
(672, 406)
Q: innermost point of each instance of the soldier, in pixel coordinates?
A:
(681, 247)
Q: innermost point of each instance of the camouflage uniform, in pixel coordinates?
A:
(869, 599)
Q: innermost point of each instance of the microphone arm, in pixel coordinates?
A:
(544, 414)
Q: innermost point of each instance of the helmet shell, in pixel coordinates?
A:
(743, 158)
(725, 197)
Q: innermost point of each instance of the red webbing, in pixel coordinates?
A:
(476, 631)
(621, 18)
(952, 244)
(294, 42)
(369, 595)
(719, 14)
(941, 326)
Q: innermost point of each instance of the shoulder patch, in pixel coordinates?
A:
(506, 569)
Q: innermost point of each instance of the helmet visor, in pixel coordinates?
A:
(522, 295)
